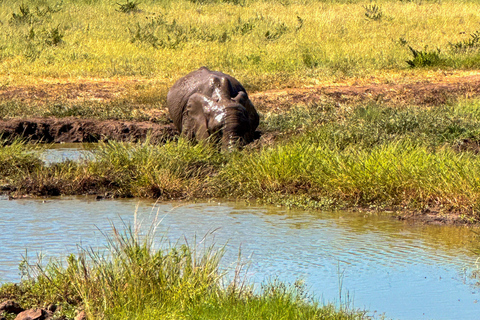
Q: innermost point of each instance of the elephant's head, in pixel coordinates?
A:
(219, 117)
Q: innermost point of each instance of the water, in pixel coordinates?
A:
(58, 152)
(377, 263)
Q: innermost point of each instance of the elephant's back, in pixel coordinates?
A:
(197, 81)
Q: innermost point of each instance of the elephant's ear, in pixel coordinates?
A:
(241, 98)
(195, 120)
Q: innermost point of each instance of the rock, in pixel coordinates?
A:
(34, 314)
(10, 306)
(81, 316)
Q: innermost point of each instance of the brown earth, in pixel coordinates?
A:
(423, 93)
(85, 130)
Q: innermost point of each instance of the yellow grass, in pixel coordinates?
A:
(320, 41)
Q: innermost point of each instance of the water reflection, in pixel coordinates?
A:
(59, 152)
(409, 272)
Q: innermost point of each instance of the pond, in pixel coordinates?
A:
(372, 262)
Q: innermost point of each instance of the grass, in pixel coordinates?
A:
(136, 278)
(266, 44)
(369, 156)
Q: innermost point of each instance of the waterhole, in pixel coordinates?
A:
(371, 262)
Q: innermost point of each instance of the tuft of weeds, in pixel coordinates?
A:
(136, 277)
(24, 16)
(373, 12)
(18, 158)
(473, 43)
(128, 7)
(279, 29)
(54, 36)
(425, 58)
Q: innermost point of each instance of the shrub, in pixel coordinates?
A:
(128, 7)
(425, 58)
(373, 12)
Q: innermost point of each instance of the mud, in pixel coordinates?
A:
(81, 130)
(422, 93)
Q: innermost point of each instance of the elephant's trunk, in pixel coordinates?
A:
(235, 128)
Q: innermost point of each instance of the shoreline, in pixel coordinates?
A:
(275, 106)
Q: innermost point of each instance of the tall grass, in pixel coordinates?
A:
(370, 155)
(17, 158)
(265, 43)
(397, 173)
(136, 278)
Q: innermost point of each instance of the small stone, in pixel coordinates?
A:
(34, 314)
(10, 306)
(81, 316)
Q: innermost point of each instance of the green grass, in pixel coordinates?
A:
(266, 44)
(136, 278)
(369, 156)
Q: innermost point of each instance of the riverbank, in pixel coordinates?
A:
(364, 148)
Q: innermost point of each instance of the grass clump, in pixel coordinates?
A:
(373, 12)
(128, 7)
(425, 58)
(135, 278)
(17, 158)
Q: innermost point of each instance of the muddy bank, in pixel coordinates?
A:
(399, 95)
(72, 129)
(32, 116)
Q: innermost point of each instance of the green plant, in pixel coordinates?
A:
(373, 12)
(279, 30)
(128, 7)
(473, 43)
(425, 58)
(24, 16)
(137, 278)
(42, 11)
(54, 36)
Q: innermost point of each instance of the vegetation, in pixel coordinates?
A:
(365, 153)
(369, 156)
(362, 153)
(134, 279)
(265, 43)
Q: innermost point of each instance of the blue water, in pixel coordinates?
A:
(371, 262)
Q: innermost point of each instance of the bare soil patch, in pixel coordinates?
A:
(424, 93)
(419, 93)
(92, 90)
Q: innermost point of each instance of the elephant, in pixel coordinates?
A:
(212, 105)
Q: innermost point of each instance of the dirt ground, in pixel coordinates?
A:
(421, 92)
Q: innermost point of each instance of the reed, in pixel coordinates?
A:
(139, 278)
(369, 156)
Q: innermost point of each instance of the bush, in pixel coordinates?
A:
(425, 58)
